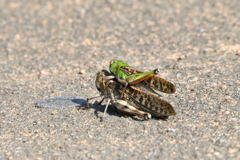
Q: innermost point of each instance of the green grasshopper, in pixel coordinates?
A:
(135, 78)
(134, 101)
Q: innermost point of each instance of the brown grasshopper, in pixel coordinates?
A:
(134, 101)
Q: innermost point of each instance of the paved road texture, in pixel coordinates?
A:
(46, 50)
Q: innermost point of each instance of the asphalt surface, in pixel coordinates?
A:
(46, 50)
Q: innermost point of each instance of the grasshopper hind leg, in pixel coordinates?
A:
(126, 108)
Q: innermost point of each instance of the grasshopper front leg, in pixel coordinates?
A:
(125, 83)
(93, 97)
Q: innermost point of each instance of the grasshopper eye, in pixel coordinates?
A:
(112, 61)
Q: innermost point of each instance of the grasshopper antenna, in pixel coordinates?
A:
(101, 55)
(89, 66)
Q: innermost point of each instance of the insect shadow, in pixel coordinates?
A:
(82, 105)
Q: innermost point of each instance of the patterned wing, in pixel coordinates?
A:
(154, 82)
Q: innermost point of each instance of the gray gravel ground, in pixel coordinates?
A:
(195, 44)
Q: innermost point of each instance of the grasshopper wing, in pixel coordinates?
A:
(152, 104)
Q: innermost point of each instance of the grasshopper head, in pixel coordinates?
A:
(115, 66)
(99, 79)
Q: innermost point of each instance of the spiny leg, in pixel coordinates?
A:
(101, 101)
(105, 110)
(139, 77)
(124, 107)
(89, 98)
(126, 84)
(109, 79)
(136, 78)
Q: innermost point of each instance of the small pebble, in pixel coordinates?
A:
(82, 72)
(45, 72)
(227, 112)
(171, 130)
(217, 153)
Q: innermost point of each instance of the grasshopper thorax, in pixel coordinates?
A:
(115, 66)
